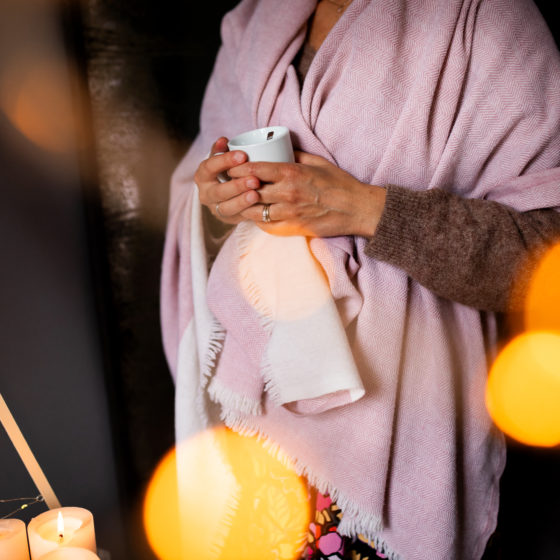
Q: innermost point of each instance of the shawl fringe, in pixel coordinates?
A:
(358, 522)
(208, 366)
(231, 400)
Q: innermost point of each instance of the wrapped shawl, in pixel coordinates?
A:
(461, 95)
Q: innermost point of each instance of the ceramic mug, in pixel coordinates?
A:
(271, 143)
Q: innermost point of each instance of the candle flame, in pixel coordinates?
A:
(60, 526)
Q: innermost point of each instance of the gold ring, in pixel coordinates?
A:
(266, 213)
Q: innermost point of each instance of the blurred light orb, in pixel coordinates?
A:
(523, 389)
(233, 501)
(35, 95)
(281, 278)
(161, 510)
(542, 310)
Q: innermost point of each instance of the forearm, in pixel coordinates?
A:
(476, 252)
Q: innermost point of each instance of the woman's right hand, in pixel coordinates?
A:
(226, 200)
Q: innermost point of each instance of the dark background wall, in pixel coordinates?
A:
(51, 358)
(81, 234)
(51, 372)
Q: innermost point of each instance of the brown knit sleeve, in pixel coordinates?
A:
(476, 252)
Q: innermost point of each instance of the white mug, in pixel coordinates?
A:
(271, 143)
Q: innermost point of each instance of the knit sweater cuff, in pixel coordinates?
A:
(475, 252)
(400, 228)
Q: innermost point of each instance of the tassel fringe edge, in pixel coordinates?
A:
(353, 521)
(229, 399)
(215, 345)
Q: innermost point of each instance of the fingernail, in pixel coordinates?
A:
(251, 197)
(253, 183)
(239, 157)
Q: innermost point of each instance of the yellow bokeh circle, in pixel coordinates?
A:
(224, 496)
(161, 510)
(542, 309)
(523, 389)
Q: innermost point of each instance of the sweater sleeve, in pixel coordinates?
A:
(477, 252)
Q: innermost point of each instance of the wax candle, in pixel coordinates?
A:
(70, 553)
(13, 540)
(59, 528)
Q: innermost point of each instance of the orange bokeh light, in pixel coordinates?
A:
(233, 500)
(542, 311)
(161, 510)
(281, 278)
(523, 389)
(36, 97)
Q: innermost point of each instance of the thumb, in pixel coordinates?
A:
(219, 146)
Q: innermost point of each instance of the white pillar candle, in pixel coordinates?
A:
(13, 540)
(46, 532)
(70, 553)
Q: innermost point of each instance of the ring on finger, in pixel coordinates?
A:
(217, 209)
(266, 213)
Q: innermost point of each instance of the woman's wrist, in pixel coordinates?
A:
(370, 208)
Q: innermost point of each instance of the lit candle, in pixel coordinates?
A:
(59, 528)
(70, 553)
(13, 540)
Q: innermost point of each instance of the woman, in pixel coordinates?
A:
(428, 145)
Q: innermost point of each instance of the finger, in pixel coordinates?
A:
(309, 159)
(225, 191)
(236, 205)
(257, 214)
(269, 172)
(279, 224)
(221, 163)
(220, 145)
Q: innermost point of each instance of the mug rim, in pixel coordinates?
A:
(282, 130)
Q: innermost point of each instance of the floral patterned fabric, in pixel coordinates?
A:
(325, 543)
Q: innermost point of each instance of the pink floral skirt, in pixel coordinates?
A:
(325, 543)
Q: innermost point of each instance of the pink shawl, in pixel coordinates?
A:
(460, 95)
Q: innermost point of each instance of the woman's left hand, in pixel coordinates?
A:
(312, 197)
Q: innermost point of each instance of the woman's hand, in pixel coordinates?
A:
(226, 200)
(311, 197)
